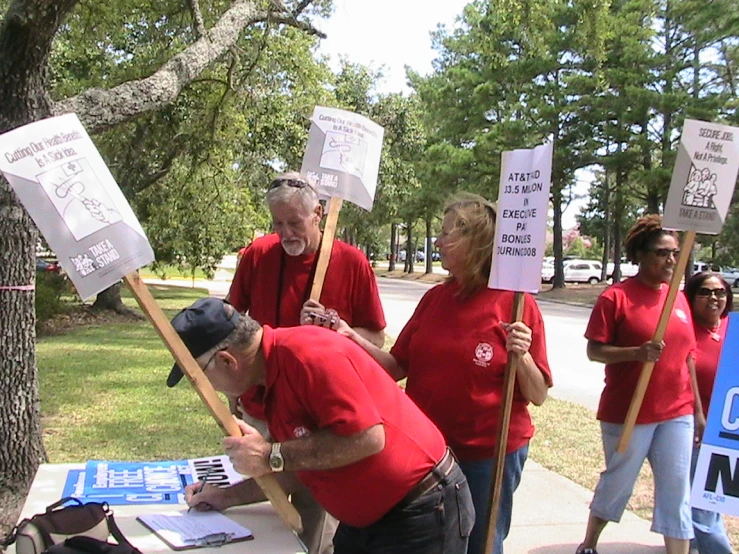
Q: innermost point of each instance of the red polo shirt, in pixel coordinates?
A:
(454, 353)
(319, 380)
(349, 288)
(709, 344)
(626, 314)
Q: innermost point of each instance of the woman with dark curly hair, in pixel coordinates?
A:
(710, 300)
(620, 334)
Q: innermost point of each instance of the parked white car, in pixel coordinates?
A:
(576, 271)
(583, 271)
(730, 274)
(705, 266)
(547, 272)
(627, 269)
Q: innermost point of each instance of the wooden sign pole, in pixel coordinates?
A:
(503, 427)
(324, 256)
(207, 393)
(664, 319)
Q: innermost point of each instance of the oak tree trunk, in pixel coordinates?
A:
(25, 42)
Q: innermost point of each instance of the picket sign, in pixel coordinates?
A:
(324, 256)
(701, 189)
(520, 234)
(503, 427)
(63, 182)
(207, 393)
(341, 162)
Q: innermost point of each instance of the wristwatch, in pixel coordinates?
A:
(276, 461)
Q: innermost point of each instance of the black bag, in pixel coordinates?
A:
(60, 524)
(88, 545)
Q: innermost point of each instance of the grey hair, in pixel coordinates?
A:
(241, 337)
(307, 195)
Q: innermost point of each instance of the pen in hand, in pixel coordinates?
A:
(202, 485)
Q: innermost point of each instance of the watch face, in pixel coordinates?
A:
(276, 461)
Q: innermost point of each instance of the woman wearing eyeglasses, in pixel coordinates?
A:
(620, 333)
(710, 301)
(453, 352)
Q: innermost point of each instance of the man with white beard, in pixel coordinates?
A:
(273, 283)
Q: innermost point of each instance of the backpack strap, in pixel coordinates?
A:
(116, 532)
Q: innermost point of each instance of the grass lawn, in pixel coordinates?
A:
(170, 272)
(103, 393)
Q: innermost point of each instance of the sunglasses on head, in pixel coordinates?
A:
(707, 293)
(666, 252)
(294, 183)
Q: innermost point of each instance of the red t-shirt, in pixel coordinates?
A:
(317, 380)
(455, 356)
(709, 344)
(626, 314)
(349, 288)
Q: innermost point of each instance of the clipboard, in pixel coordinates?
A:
(184, 531)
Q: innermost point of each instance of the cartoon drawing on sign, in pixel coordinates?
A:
(66, 187)
(83, 264)
(700, 188)
(344, 153)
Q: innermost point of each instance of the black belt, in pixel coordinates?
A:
(437, 474)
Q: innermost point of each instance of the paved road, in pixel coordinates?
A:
(576, 379)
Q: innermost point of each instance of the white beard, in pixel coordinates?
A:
(294, 248)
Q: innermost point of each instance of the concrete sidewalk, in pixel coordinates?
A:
(550, 512)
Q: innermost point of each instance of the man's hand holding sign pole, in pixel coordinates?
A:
(341, 161)
(700, 194)
(58, 174)
(520, 235)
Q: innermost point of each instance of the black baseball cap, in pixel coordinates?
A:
(202, 326)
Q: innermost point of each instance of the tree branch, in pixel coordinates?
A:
(300, 7)
(197, 17)
(292, 22)
(100, 109)
(27, 31)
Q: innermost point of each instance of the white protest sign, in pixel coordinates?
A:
(704, 177)
(342, 157)
(520, 231)
(65, 186)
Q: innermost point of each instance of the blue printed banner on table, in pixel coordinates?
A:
(163, 482)
(716, 482)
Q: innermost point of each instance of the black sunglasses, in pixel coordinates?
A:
(294, 183)
(707, 293)
(666, 252)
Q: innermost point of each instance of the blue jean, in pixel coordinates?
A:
(667, 446)
(439, 522)
(710, 533)
(480, 477)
